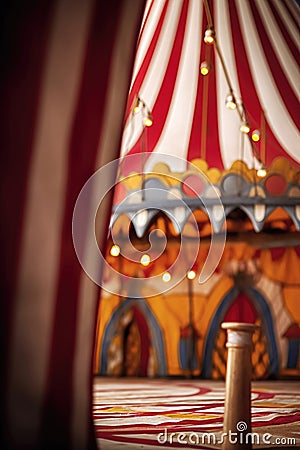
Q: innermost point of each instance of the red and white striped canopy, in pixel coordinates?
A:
(259, 42)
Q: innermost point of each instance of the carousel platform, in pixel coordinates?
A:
(142, 413)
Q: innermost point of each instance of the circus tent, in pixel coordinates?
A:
(175, 173)
(65, 78)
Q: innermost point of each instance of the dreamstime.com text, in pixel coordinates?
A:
(233, 437)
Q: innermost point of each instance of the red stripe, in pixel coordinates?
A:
(194, 149)
(145, 341)
(24, 34)
(248, 90)
(82, 159)
(280, 420)
(241, 310)
(145, 64)
(213, 154)
(287, 94)
(162, 105)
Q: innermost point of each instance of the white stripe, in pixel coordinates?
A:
(234, 146)
(175, 136)
(287, 61)
(149, 30)
(158, 66)
(39, 263)
(146, 10)
(155, 74)
(108, 150)
(289, 24)
(277, 115)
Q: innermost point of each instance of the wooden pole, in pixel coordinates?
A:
(191, 329)
(237, 409)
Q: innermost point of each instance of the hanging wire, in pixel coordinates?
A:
(263, 141)
(139, 106)
(208, 14)
(144, 149)
(205, 106)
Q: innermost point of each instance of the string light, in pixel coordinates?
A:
(204, 68)
(191, 275)
(145, 260)
(230, 102)
(138, 104)
(148, 121)
(245, 127)
(209, 36)
(262, 172)
(255, 135)
(166, 277)
(115, 250)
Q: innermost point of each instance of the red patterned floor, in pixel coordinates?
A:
(150, 414)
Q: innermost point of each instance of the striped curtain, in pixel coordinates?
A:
(65, 72)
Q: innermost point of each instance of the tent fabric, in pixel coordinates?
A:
(63, 64)
(255, 58)
(259, 43)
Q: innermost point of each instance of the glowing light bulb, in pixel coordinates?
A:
(230, 102)
(115, 250)
(255, 135)
(245, 127)
(137, 105)
(209, 36)
(166, 277)
(262, 172)
(191, 275)
(204, 68)
(145, 260)
(148, 121)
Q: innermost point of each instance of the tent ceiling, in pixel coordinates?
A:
(258, 43)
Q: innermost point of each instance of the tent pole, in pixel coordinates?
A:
(237, 409)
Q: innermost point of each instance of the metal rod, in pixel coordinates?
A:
(207, 202)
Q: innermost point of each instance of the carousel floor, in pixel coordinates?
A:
(149, 414)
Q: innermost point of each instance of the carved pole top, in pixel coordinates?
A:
(239, 334)
(239, 326)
